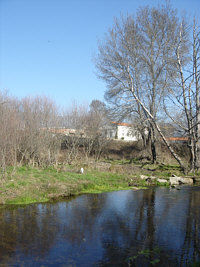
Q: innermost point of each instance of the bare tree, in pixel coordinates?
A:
(9, 131)
(184, 95)
(74, 121)
(38, 145)
(134, 61)
(96, 121)
(84, 125)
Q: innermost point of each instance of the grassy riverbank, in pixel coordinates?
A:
(28, 185)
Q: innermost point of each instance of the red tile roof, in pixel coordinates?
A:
(177, 138)
(122, 123)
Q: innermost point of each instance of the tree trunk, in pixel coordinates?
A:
(183, 168)
(192, 155)
(197, 145)
(153, 151)
(153, 144)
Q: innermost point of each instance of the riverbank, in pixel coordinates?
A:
(30, 185)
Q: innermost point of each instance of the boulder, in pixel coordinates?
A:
(174, 180)
(186, 180)
(162, 180)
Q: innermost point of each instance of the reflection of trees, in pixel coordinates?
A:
(191, 246)
(144, 245)
(126, 235)
(22, 231)
(129, 241)
(80, 220)
(38, 229)
(8, 236)
(33, 230)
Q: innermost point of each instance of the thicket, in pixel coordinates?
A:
(27, 136)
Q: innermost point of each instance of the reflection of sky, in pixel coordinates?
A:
(79, 232)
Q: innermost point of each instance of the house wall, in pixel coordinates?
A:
(127, 133)
(121, 131)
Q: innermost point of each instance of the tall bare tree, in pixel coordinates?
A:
(134, 60)
(184, 94)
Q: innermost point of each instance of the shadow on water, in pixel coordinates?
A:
(155, 227)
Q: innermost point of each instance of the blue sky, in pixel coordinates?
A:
(47, 46)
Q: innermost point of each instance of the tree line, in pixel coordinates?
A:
(150, 62)
(26, 138)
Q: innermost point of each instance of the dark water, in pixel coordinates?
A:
(155, 227)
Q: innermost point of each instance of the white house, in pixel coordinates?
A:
(122, 131)
(115, 130)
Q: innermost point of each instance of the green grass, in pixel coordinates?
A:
(103, 182)
(29, 185)
(24, 200)
(169, 167)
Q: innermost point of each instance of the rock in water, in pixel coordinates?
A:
(162, 180)
(174, 180)
(186, 180)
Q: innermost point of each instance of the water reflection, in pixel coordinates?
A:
(126, 228)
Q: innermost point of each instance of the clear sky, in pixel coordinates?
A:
(47, 46)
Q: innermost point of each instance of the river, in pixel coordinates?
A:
(154, 227)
